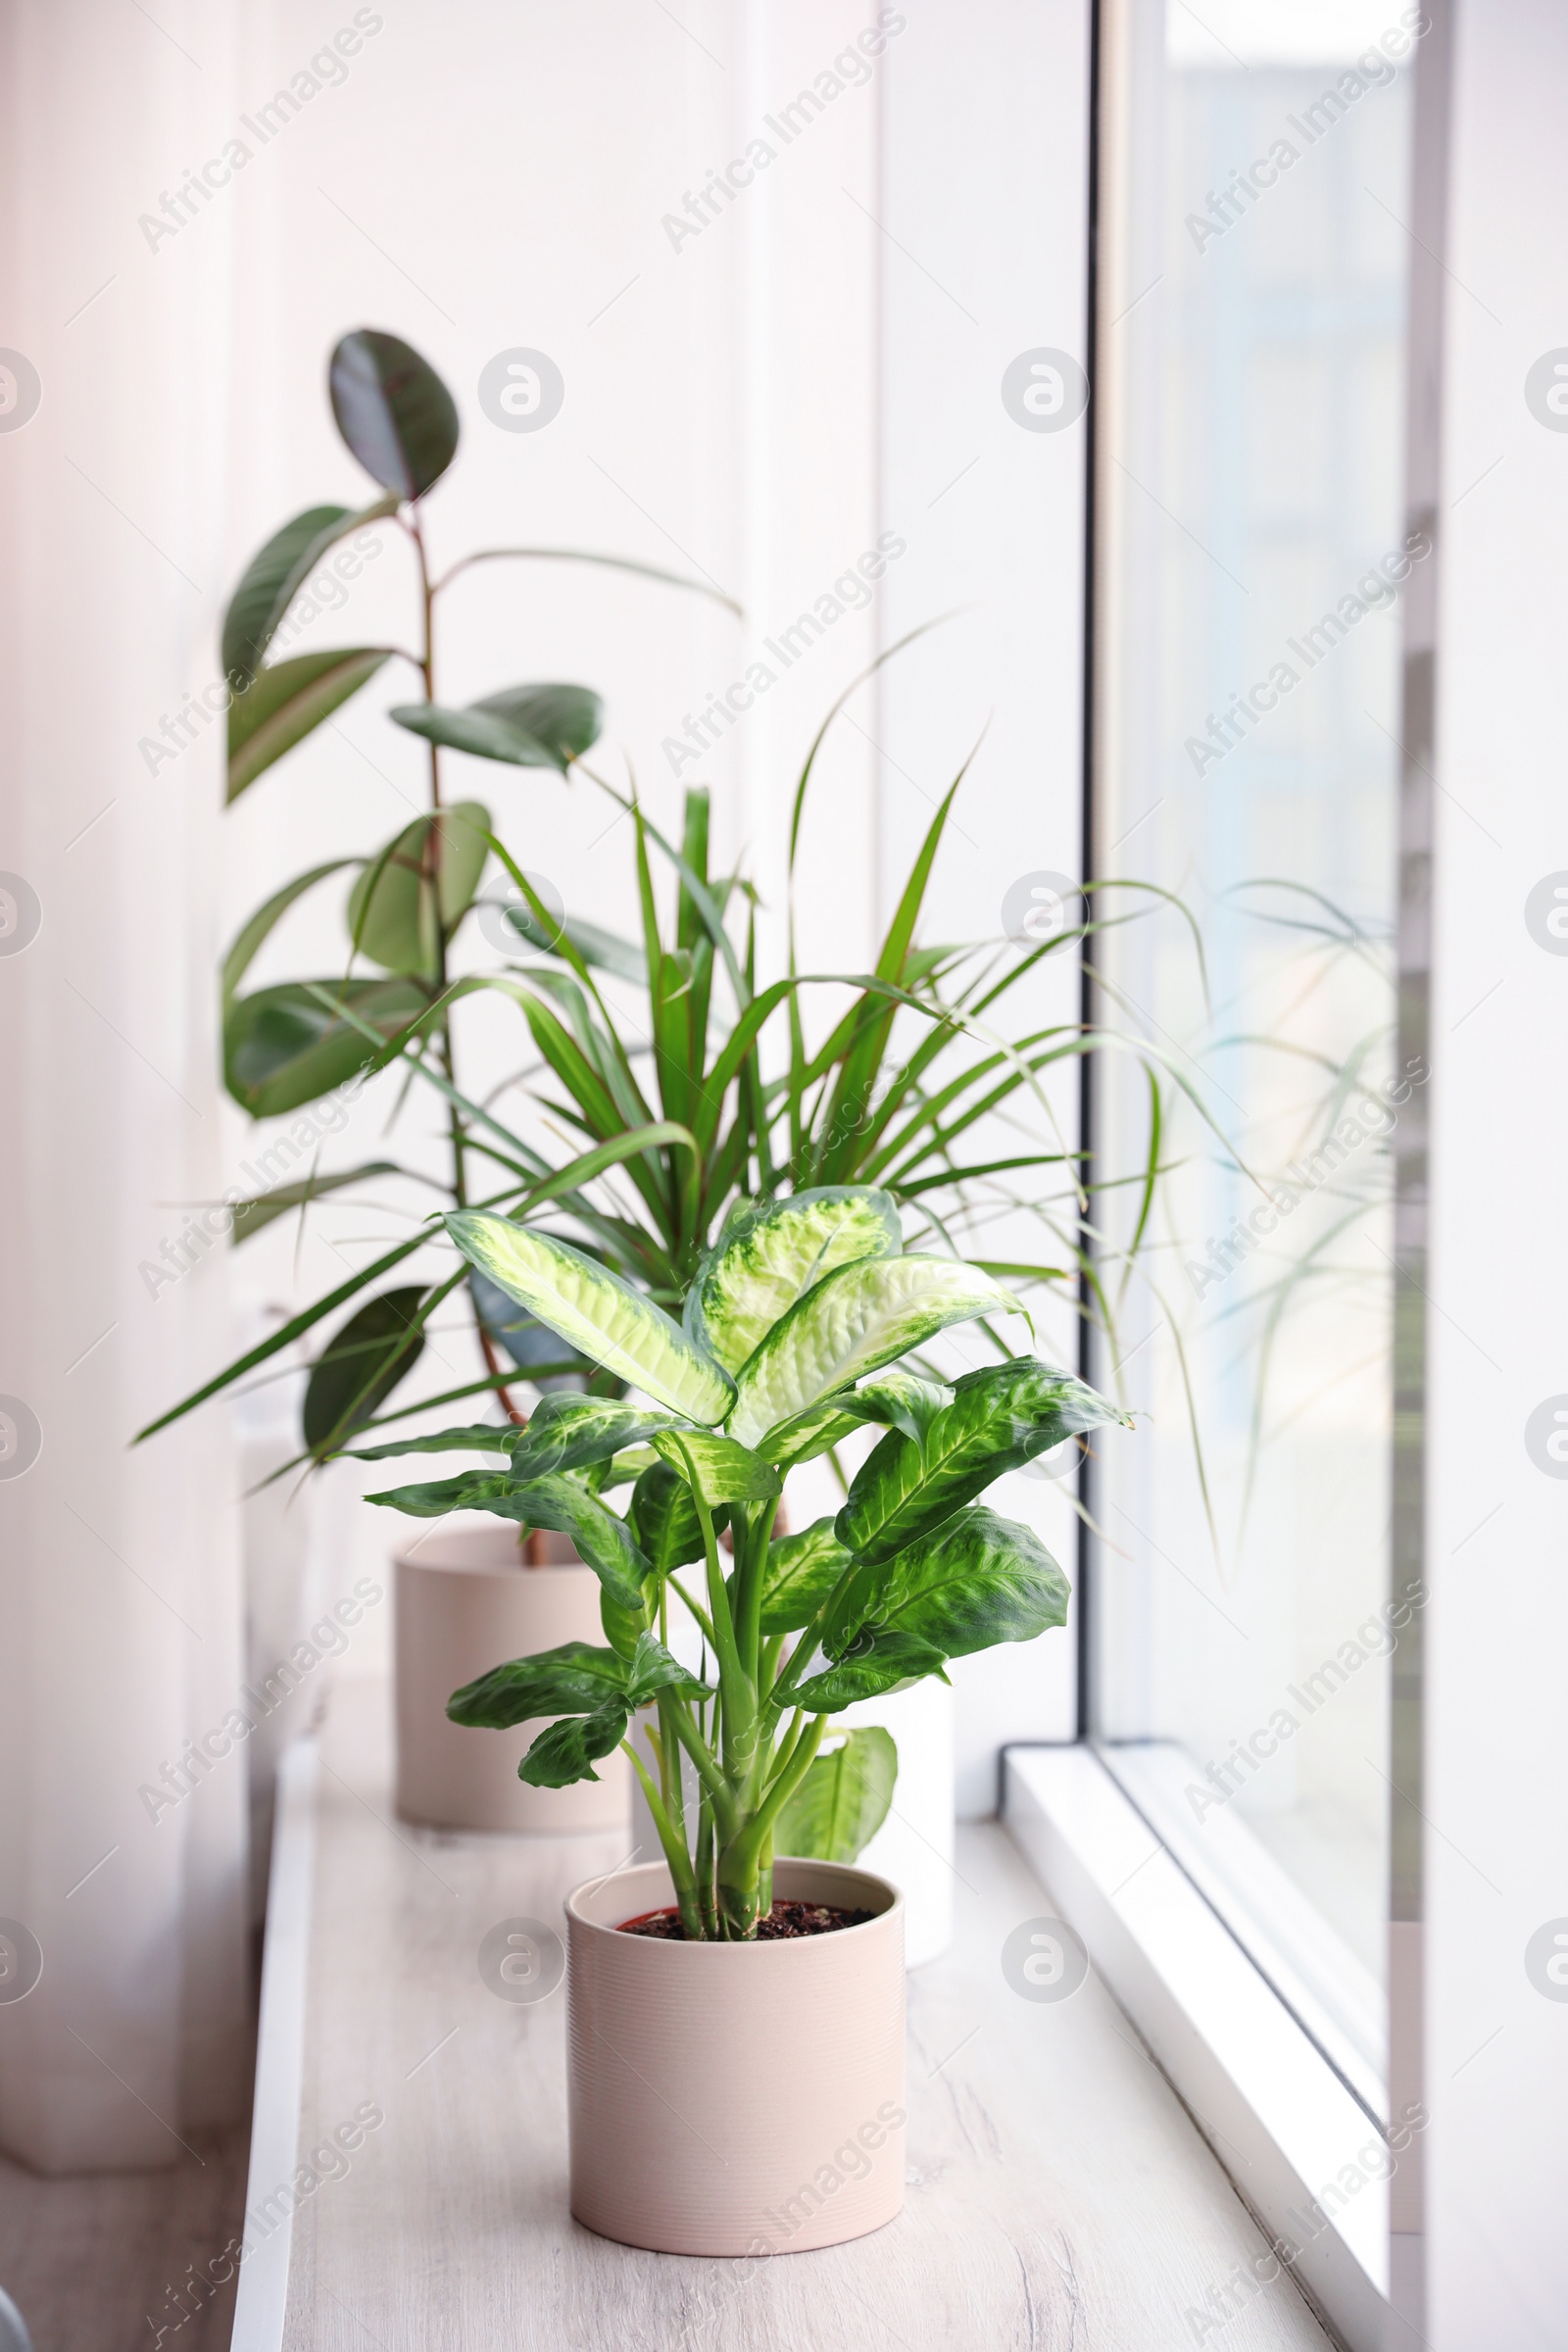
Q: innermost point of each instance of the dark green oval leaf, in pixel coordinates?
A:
(361, 1365)
(414, 893)
(393, 410)
(283, 703)
(282, 1047)
(274, 576)
(527, 726)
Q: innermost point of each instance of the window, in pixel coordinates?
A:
(1253, 551)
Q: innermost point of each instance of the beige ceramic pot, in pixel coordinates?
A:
(736, 2098)
(467, 1602)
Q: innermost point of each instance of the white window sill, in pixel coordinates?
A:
(1280, 2118)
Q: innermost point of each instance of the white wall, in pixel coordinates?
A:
(1496, 1797)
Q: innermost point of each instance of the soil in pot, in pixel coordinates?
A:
(786, 1921)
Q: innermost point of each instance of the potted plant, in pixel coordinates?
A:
(920, 1093)
(736, 2021)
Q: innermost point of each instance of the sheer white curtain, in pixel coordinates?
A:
(119, 1571)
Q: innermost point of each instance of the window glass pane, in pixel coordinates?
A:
(1252, 554)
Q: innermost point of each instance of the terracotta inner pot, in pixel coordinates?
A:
(736, 2100)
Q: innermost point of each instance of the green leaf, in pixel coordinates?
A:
(283, 703)
(652, 1670)
(999, 1418)
(565, 1504)
(566, 1433)
(361, 1365)
(251, 1215)
(282, 1047)
(398, 914)
(595, 1311)
(274, 576)
(802, 1571)
(528, 726)
(601, 949)
(807, 1434)
(977, 1581)
(481, 1437)
(576, 1679)
(251, 939)
(393, 410)
(494, 1490)
(884, 1663)
(843, 1800)
(898, 1400)
(664, 1519)
(721, 1470)
(855, 1320)
(569, 1750)
(770, 1253)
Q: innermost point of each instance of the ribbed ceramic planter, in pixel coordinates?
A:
(739, 2100)
(467, 1602)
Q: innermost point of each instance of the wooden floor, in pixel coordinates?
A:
(1059, 2199)
(94, 2263)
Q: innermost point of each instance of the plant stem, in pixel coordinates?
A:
(431, 877)
(680, 1869)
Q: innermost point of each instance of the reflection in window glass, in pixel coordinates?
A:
(1253, 553)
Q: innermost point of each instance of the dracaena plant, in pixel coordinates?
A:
(792, 1336)
(923, 1086)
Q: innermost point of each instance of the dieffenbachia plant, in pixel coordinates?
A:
(792, 1334)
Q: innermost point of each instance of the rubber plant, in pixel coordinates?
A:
(291, 1044)
(792, 1334)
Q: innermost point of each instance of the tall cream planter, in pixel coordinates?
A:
(736, 2098)
(467, 1602)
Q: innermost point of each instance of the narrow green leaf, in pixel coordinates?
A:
(242, 954)
(285, 703)
(250, 1217)
(480, 1437)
